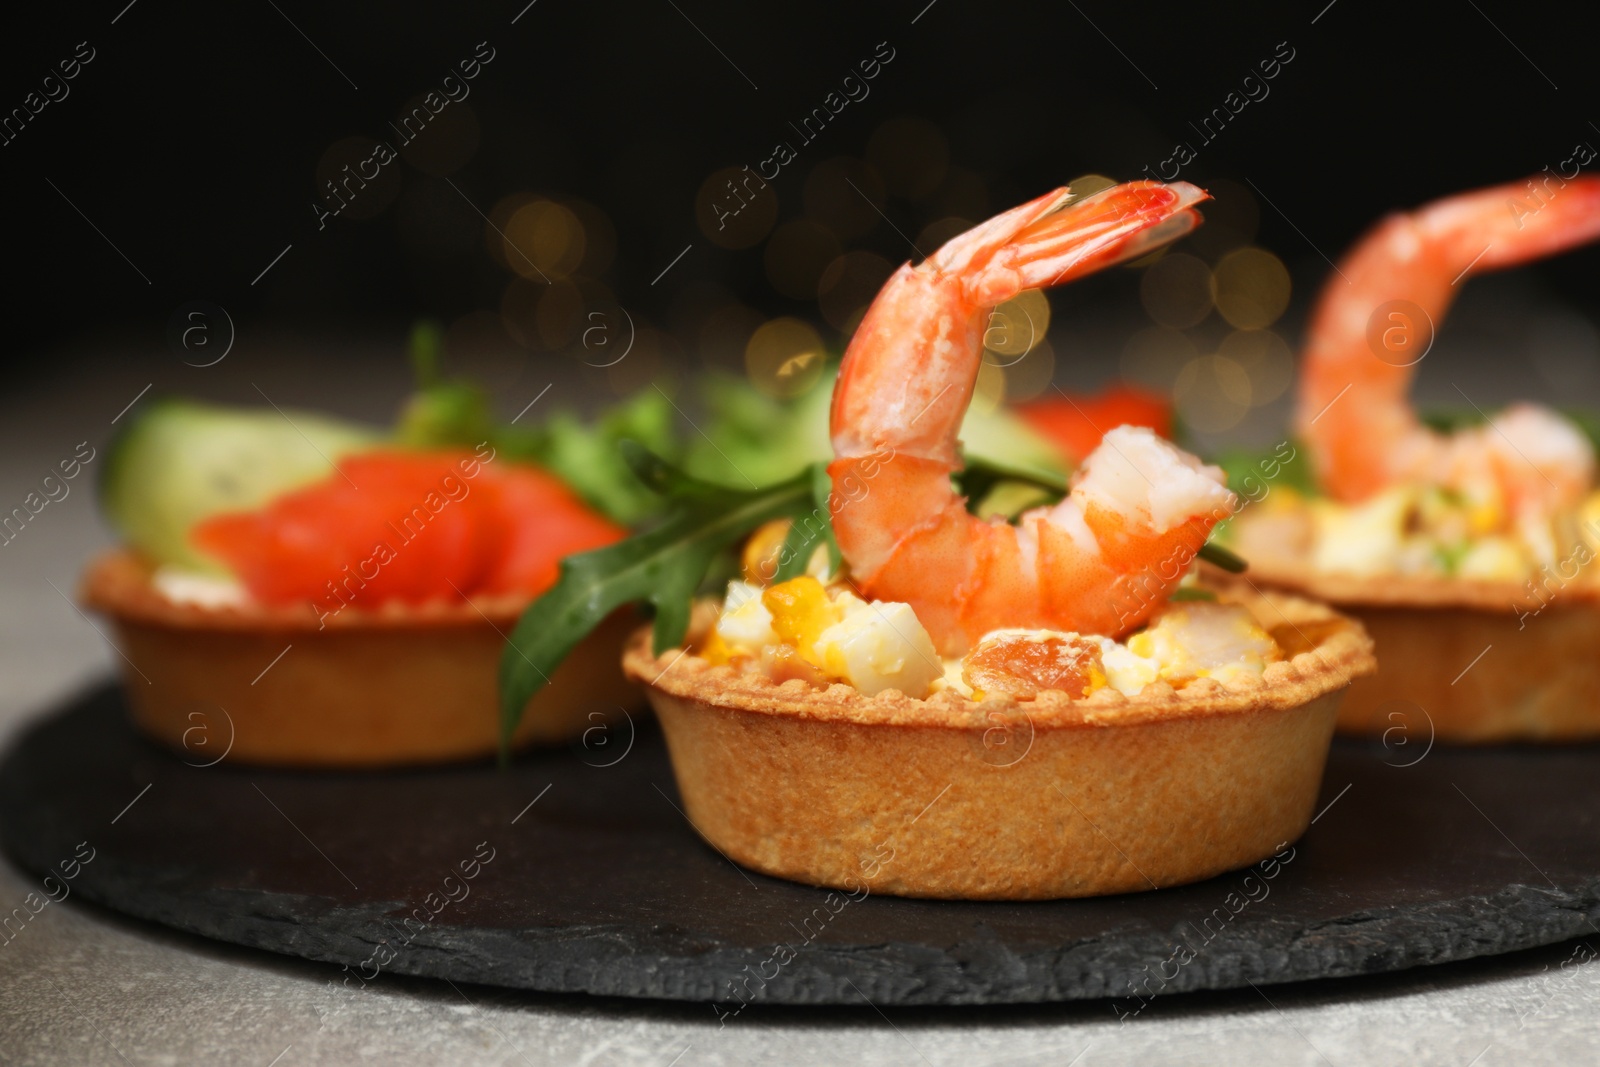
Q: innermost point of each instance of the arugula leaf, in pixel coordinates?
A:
(801, 542)
(442, 411)
(1218, 556)
(821, 496)
(979, 476)
(1449, 420)
(661, 568)
(1248, 470)
(795, 555)
(586, 454)
(661, 477)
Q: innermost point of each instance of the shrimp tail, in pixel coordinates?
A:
(1066, 240)
(903, 388)
(1407, 271)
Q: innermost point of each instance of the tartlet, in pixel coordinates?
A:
(396, 685)
(1460, 539)
(1001, 799)
(1467, 661)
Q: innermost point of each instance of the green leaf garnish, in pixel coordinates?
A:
(661, 477)
(979, 476)
(1218, 556)
(425, 346)
(1184, 592)
(795, 554)
(800, 544)
(661, 568)
(821, 497)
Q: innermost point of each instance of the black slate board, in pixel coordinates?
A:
(1423, 856)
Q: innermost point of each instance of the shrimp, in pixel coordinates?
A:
(1103, 559)
(1352, 409)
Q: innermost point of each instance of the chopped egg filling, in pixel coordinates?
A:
(802, 629)
(824, 634)
(1199, 640)
(1468, 532)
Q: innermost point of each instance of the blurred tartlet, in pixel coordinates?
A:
(1464, 543)
(299, 591)
(400, 684)
(1472, 658)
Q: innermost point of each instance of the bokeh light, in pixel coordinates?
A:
(599, 237)
(476, 347)
(845, 195)
(655, 360)
(784, 357)
(726, 331)
(543, 240)
(1015, 327)
(1212, 394)
(519, 312)
(937, 232)
(1232, 218)
(553, 317)
(1251, 288)
(964, 194)
(1265, 357)
(559, 315)
(853, 323)
(1086, 185)
(848, 285)
(1031, 375)
(911, 153)
(494, 228)
(1176, 290)
(990, 391)
(1152, 357)
(735, 208)
(796, 255)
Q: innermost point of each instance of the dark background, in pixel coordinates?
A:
(193, 141)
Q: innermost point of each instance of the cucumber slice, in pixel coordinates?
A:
(181, 462)
(1002, 436)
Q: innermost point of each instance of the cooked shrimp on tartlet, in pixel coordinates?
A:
(1449, 545)
(1170, 734)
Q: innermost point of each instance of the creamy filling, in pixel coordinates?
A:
(823, 634)
(1411, 530)
(202, 590)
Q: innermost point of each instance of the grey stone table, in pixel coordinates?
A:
(84, 986)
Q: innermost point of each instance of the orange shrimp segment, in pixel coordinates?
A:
(1377, 317)
(906, 380)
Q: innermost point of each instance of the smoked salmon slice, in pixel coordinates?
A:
(409, 527)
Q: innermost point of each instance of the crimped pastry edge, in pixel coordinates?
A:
(118, 583)
(1340, 651)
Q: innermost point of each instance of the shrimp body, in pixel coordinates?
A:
(1100, 561)
(1352, 405)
